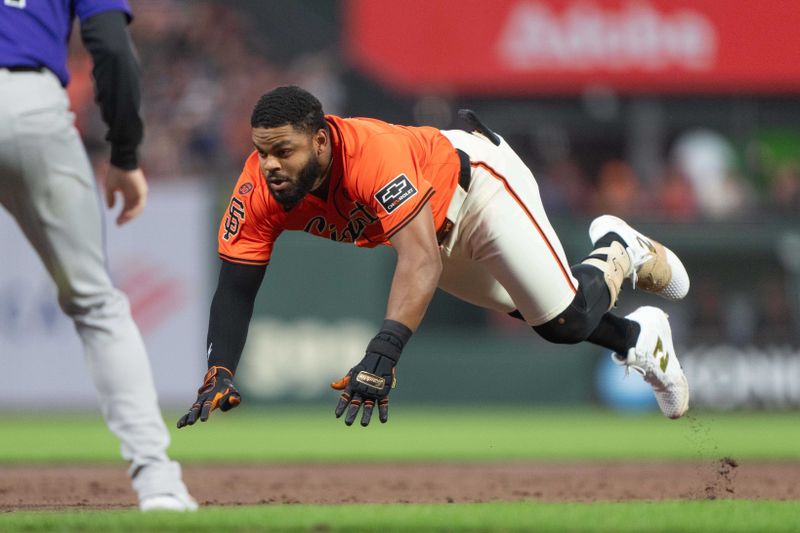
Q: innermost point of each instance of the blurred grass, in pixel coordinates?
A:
(729, 516)
(414, 433)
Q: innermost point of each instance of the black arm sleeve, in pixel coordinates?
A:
(116, 76)
(231, 311)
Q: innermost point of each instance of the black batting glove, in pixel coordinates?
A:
(374, 378)
(370, 381)
(217, 391)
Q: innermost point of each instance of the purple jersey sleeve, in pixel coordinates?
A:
(36, 33)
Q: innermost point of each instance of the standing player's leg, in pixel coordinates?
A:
(50, 191)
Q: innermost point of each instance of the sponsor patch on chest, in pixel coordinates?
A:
(395, 193)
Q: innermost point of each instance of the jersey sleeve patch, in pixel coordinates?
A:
(234, 218)
(395, 193)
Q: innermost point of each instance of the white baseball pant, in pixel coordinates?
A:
(502, 252)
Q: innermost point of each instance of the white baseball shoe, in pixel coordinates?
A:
(160, 487)
(656, 268)
(168, 502)
(654, 358)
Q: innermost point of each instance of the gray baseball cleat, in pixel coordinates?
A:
(656, 268)
(654, 358)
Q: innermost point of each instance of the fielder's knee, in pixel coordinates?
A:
(92, 306)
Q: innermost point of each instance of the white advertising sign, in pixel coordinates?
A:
(160, 260)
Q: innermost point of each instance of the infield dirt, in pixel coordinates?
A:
(91, 486)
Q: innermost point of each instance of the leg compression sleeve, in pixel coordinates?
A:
(615, 333)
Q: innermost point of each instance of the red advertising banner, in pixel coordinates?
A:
(566, 46)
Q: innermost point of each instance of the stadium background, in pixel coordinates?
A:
(675, 115)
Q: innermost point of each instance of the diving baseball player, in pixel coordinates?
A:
(46, 183)
(463, 213)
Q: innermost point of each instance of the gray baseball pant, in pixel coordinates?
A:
(47, 184)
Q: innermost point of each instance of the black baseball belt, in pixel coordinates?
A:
(22, 68)
(464, 179)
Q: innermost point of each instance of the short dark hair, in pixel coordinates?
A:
(289, 105)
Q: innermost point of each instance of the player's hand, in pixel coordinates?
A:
(133, 187)
(368, 383)
(217, 391)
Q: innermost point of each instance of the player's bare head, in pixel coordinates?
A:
(292, 140)
(289, 105)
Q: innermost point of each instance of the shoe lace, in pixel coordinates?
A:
(628, 366)
(638, 258)
(634, 277)
(638, 369)
(648, 376)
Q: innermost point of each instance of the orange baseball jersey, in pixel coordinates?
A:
(381, 177)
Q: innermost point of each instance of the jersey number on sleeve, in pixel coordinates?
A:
(20, 4)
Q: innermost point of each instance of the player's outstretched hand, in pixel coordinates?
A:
(217, 391)
(368, 383)
(133, 187)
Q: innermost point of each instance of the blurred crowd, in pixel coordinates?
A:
(205, 65)
(203, 69)
(702, 178)
(764, 316)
